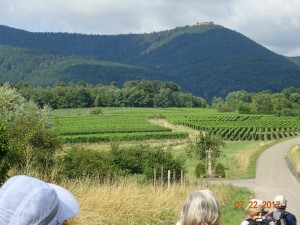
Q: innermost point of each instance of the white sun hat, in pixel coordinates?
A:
(280, 201)
(26, 200)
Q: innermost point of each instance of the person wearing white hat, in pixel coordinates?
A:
(26, 200)
(280, 215)
(256, 213)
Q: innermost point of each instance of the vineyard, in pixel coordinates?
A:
(125, 124)
(111, 125)
(242, 127)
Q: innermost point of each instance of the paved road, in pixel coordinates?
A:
(273, 176)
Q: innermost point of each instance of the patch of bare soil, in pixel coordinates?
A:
(175, 128)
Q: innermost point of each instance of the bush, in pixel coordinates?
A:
(220, 169)
(158, 158)
(200, 169)
(96, 111)
(31, 139)
(80, 162)
(4, 152)
(141, 159)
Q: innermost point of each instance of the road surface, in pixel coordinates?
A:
(273, 177)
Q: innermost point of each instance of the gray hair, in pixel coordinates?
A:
(201, 206)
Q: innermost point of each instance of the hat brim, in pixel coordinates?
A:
(68, 205)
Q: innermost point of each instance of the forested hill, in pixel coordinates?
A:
(207, 60)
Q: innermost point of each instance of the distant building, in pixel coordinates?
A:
(205, 23)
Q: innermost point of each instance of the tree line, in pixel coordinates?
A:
(285, 103)
(142, 93)
(155, 93)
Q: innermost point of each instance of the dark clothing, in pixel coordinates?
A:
(290, 218)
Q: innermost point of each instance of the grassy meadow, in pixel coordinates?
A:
(130, 202)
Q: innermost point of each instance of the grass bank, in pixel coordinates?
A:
(293, 157)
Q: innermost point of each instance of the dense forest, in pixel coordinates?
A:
(205, 60)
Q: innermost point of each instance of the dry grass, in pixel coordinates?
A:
(243, 159)
(294, 158)
(130, 203)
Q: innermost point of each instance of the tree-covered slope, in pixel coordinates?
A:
(37, 68)
(207, 60)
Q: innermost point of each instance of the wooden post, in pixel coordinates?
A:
(181, 177)
(162, 177)
(169, 180)
(174, 177)
(154, 178)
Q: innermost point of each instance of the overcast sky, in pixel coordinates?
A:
(274, 24)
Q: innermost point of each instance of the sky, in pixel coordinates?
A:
(274, 24)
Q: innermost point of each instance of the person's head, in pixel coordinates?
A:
(280, 202)
(256, 208)
(200, 208)
(29, 201)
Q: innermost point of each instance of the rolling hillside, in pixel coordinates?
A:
(207, 60)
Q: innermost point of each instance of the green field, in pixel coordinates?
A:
(123, 124)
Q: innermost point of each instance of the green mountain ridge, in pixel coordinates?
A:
(206, 60)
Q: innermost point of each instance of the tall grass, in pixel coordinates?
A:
(131, 203)
(294, 160)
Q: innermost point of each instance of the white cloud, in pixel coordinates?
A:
(273, 23)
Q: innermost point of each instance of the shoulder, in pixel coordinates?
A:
(291, 218)
(245, 222)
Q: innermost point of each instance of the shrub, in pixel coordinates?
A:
(4, 152)
(29, 131)
(141, 159)
(220, 169)
(128, 160)
(157, 158)
(96, 111)
(80, 162)
(200, 169)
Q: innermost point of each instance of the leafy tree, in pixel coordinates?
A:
(207, 147)
(245, 108)
(234, 99)
(217, 103)
(29, 132)
(280, 104)
(262, 103)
